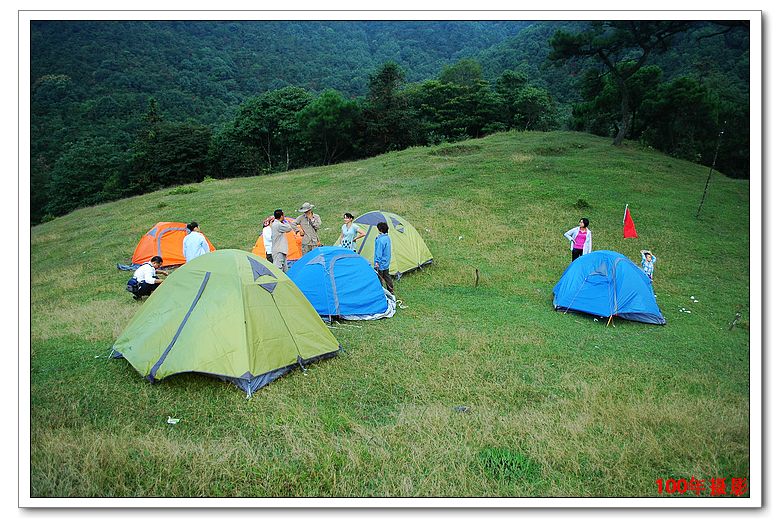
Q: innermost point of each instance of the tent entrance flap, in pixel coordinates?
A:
(160, 361)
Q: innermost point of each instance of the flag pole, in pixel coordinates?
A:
(717, 147)
(624, 214)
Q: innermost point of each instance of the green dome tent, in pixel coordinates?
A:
(229, 314)
(408, 249)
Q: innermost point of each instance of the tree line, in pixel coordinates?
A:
(291, 127)
(626, 97)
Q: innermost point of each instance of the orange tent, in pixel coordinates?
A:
(165, 239)
(294, 250)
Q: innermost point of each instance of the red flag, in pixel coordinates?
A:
(629, 231)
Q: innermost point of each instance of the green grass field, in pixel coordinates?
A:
(559, 405)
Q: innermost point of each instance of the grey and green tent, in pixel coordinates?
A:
(229, 314)
(408, 249)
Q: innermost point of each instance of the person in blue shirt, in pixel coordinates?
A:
(382, 252)
(194, 244)
(648, 263)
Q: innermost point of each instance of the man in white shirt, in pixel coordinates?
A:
(194, 244)
(146, 276)
(279, 246)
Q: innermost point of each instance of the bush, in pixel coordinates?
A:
(183, 190)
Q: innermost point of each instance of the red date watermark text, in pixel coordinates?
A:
(713, 487)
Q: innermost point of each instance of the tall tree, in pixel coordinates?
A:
(174, 154)
(328, 122)
(465, 72)
(388, 116)
(680, 119)
(534, 109)
(79, 176)
(508, 86)
(268, 123)
(623, 47)
(601, 113)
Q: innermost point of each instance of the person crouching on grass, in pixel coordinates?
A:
(146, 276)
(382, 252)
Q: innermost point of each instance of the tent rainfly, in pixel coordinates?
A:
(409, 250)
(606, 283)
(341, 284)
(229, 314)
(165, 239)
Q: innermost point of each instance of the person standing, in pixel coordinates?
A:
(267, 235)
(382, 254)
(146, 277)
(350, 232)
(195, 243)
(580, 238)
(279, 247)
(310, 224)
(648, 263)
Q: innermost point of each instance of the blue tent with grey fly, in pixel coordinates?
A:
(339, 283)
(607, 284)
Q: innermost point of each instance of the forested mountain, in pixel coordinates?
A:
(205, 69)
(120, 107)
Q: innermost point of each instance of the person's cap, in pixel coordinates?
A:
(305, 207)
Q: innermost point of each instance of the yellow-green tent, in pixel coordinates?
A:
(229, 314)
(408, 250)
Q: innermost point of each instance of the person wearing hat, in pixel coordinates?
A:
(310, 223)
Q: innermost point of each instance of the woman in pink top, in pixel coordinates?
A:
(580, 239)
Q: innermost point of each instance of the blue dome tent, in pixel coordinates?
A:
(340, 283)
(606, 283)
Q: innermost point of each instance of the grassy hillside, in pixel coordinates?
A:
(558, 404)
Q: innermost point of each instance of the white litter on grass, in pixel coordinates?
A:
(595, 319)
(695, 300)
(336, 324)
(460, 237)
(173, 421)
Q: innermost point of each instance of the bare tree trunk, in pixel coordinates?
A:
(625, 116)
(268, 153)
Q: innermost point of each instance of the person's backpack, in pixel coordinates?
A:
(133, 285)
